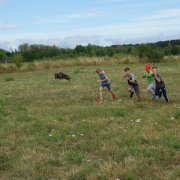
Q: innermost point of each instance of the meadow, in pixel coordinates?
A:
(53, 130)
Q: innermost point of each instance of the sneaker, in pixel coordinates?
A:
(154, 97)
(161, 98)
(99, 101)
(114, 97)
(131, 95)
(167, 101)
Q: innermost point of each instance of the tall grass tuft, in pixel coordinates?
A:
(82, 61)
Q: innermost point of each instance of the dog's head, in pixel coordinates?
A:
(67, 78)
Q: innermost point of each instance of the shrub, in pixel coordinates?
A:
(119, 55)
(18, 59)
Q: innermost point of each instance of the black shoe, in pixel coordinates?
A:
(168, 102)
(131, 95)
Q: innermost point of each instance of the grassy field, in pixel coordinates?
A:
(53, 130)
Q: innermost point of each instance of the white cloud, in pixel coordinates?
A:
(67, 41)
(143, 39)
(7, 45)
(8, 26)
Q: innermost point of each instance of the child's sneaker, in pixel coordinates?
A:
(161, 98)
(114, 97)
(131, 95)
(99, 101)
(154, 97)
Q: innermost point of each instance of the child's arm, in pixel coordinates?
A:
(132, 81)
(105, 79)
(158, 80)
(144, 75)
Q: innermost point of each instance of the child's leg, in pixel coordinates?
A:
(130, 88)
(109, 88)
(150, 87)
(100, 92)
(157, 93)
(111, 91)
(136, 88)
(138, 95)
(164, 94)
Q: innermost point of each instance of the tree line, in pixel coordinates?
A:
(152, 51)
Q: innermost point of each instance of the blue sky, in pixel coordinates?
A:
(102, 22)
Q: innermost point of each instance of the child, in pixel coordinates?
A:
(132, 83)
(104, 82)
(159, 84)
(152, 85)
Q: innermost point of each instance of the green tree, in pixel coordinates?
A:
(79, 49)
(2, 55)
(142, 50)
(23, 47)
(175, 50)
(167, 51)
(18, 59)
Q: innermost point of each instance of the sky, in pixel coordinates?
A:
(67, 23)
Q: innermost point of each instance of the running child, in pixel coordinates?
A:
(105, 82)
(159, 85)
(133, 84)
(152, 85)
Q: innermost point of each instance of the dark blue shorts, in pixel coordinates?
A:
(107, 85)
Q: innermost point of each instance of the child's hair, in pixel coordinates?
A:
(127, 69)
(98, 70)
(154, 68)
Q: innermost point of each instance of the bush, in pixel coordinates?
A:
(18, 59)
(119, 55)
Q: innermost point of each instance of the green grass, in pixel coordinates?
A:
(9, 79)
(53, 130)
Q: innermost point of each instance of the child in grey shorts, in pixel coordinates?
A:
(132, 83)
